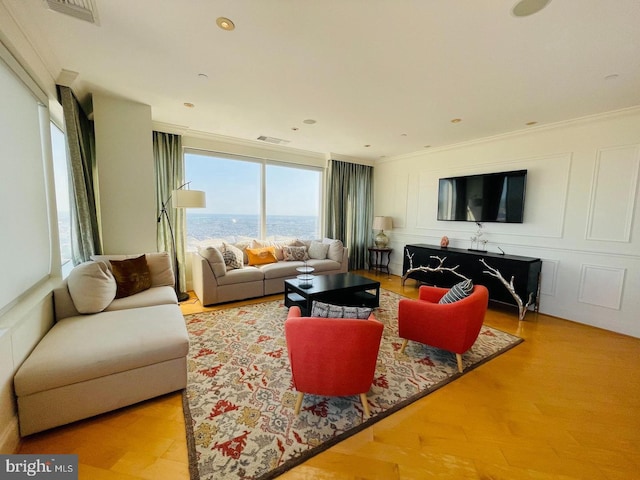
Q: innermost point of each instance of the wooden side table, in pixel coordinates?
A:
(378, 259)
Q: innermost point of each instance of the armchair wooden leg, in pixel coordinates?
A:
(459, 358)
(404, 345)
(298, 402)
(365, 405)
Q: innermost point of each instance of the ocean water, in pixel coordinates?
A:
(204, 226)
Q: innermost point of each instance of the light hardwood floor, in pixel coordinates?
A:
(565, 404)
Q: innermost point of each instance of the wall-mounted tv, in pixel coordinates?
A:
(490, 197)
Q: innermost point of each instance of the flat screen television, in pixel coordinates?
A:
(490, 197)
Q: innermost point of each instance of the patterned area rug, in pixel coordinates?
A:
(239, 400)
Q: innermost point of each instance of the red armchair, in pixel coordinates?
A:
(332, 356)
(452, 326)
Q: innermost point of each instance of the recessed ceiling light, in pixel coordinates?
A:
(524, 8)
(456, 120)
(531, 123)
(309, 121)
(225, 24)
(188, 104)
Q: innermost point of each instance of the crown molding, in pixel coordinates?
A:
(517, 133)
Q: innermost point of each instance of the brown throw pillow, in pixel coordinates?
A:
(132, 276)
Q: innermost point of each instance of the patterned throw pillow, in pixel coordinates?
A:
(132, 276)
(458, 292)
(295, 253)
(232, 259)
(326, 310)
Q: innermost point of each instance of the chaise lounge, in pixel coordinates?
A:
(131, 350)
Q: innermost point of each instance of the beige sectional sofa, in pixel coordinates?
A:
(131, 349)
(225, 271)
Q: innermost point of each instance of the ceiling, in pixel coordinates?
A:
(380, 77)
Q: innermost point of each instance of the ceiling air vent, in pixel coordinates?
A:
(277, 141)
(82, 9)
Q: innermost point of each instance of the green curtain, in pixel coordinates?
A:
(350, 208)
(169, 169)
(85, 229)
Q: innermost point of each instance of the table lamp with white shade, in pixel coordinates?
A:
(382, 223)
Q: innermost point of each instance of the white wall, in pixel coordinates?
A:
(126, 176)
(25, 320)
(581, 214)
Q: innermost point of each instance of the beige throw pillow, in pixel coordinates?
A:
(92, 287)
(215, 259)
(336, 249)
(318, 250)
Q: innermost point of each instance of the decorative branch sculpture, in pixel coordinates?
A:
(437, 268)
(522, 307)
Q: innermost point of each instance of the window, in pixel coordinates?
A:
(61, 178)
(252, 198)
(292, 201)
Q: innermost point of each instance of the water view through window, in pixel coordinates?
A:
(61, 178)
(234, 189)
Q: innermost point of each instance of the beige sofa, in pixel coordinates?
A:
(215, 281)
(131, 350)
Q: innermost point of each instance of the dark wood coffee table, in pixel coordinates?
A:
(347, 289)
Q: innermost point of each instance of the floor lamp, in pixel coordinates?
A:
(182, 198)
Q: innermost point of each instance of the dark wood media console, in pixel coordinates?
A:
(525, 270)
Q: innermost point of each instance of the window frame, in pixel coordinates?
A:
(65, 266)
(264, 163)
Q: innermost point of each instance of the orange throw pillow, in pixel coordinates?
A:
(261, 256)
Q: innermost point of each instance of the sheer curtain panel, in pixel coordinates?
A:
(350, 208)
(169, 167)
(85, 230)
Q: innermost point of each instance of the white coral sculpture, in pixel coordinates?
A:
(522, 307)
(437, 268)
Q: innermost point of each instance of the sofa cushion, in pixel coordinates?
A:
(324, 265)
(125, 340)
(280, 270)
(318, 250)
(132, 275)
(216, 260)
(147, 298)
(293, 253)
(241, 275)
(260, 256)
(92, 287)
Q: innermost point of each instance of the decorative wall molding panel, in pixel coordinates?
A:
(545, 197)
(601, 285)
(614, 186)
(548, 277)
